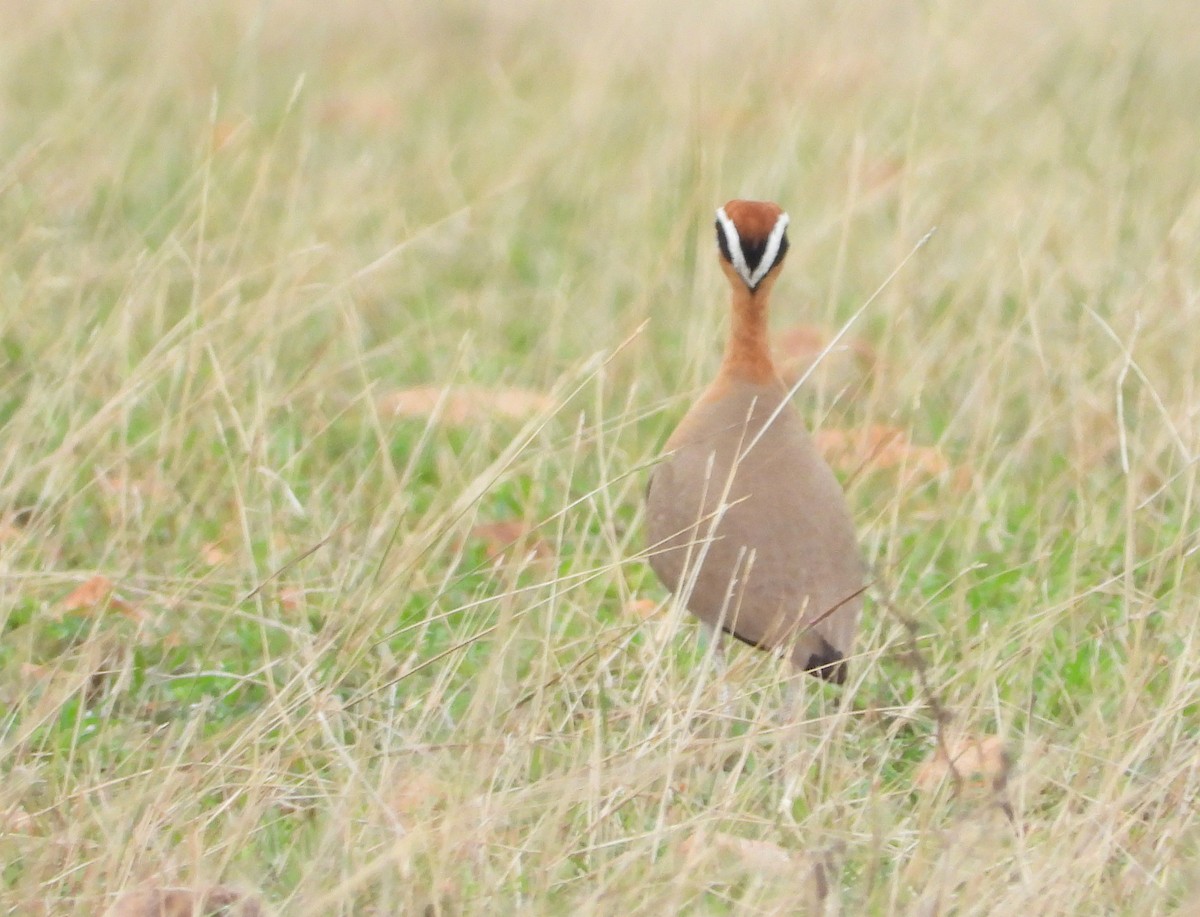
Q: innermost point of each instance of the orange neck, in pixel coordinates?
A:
(748, 351)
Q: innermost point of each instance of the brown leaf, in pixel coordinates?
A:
(32, 671)
(514, 402)
(122, 487)
(798, 347)
(417, 794)
(218, 901)
(224, 132)
(360, 109)
(460, 405)
(97, 594)
(1095, 434)
(642, 608)
(880, 447)
(814, 869)
(16, 821)
(800, 341)
(88, 594)
(291, 598)
(755, 855)
(978, 761)
(509, 538)
(213, 554)
(877, 174)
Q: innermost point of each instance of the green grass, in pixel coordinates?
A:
(230, 228)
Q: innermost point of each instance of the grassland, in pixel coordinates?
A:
(233, 231)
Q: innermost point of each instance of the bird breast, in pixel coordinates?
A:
(746, 515)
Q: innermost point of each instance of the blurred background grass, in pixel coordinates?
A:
(231, 229)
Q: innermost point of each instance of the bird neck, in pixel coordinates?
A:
(748, 350)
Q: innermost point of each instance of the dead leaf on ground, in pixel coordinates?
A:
(458, 405)
(90, 671)
(756, 855)
(89, 593)
(372, 109)
(217, 901)
(134, 491)
(291, 598)
(880, 447)
(798, 347)
(816, 869)
(417, 793)
(1095, 434)
(225, 132)
(978, 761)
(16, 821)
(511, 538)
(213, 554)
(642, 608)
(98, 594)
(879, 174)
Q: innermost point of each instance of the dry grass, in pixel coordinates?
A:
(233, 231)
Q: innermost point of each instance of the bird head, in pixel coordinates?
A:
(752, 237)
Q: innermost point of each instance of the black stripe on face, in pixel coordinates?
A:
(723, 243)
(753, 252)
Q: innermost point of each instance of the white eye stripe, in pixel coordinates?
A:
(734, 243)
(774, 241)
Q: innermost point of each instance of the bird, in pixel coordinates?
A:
(746, 523)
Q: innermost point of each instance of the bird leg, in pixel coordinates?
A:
(793, 700)
(713, 641)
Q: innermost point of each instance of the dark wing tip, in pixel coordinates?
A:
(829, 664)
